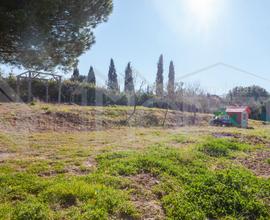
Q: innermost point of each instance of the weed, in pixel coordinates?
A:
(220, 147)
(31, 209)
(190, 190)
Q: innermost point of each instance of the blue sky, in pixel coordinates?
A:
(192, 33)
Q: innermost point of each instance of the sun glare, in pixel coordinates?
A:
(203, 11)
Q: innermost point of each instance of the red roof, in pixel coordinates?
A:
(238, 109)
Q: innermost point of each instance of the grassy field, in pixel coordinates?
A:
(129, 172)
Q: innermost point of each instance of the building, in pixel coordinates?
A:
(239, 115)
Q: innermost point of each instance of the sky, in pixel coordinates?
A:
(194, 34)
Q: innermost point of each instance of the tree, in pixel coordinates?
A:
(112, 78)
(91, 76)
(45, 34)
(246, 95)
(171, 85)
(129, 84)
(76, 75)
(159, 77)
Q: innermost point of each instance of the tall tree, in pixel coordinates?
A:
(159, 77)
(171, 83)
(76, 74)
(91, 78)
(112, 78)
(129, 84)
(44, 34)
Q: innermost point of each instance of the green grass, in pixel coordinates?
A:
(220, 147)
(188, 189)
(56, 198)
(197, 177)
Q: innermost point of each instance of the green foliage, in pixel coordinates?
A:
(91, 78)
(31, 209)
(188, 189)
(221, 147)
(180, 138)
(255, 97)
(112, 78)
(45, 34)
(255, 93)
(92, 197)
(129, 84)
(5, 211)
(189, 182)
(171, 79)
(99, 200)
(231, 192)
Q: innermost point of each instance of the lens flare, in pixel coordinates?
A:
(203, 11)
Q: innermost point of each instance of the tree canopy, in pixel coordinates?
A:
(44, 34)
(255, 93)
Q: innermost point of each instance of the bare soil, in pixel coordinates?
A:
(143, 197)
(5, 156)
(257, 162)
(249, 139)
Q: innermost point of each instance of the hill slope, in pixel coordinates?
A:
(44, 117)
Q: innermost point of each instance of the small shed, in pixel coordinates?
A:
(239, 115)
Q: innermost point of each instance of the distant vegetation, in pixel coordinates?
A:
(83, 90)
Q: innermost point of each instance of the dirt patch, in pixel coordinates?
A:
(5, 156)
(257, 162)
(91, 163)
(249, 139)
(144, 199)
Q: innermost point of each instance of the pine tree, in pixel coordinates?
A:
(159, 78)
(112, 78)
(171, 86)
(129, 84)
(91, 76)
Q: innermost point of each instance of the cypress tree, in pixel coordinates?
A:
(91, 76)
(171, 86)
(129, 84)
(76, 73)
(159, 78)
(112, 78)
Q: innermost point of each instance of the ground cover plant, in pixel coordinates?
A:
(135, 173)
